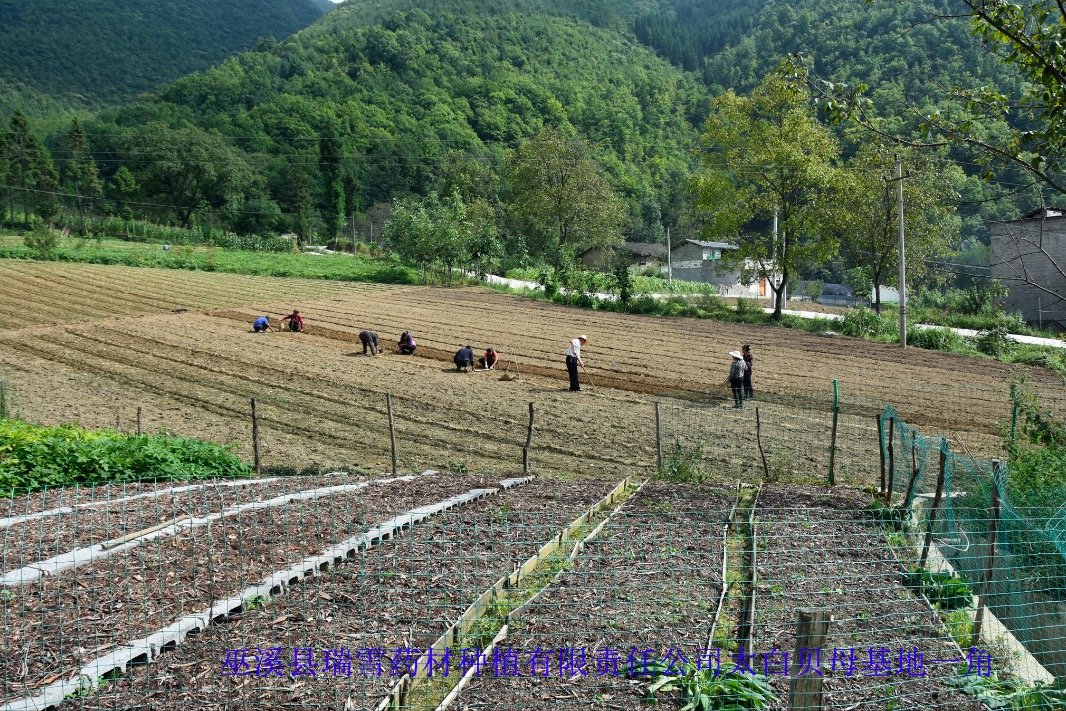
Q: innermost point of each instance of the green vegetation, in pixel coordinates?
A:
(86, 55)
(705, 690)
(33, 457)
(1011, 694)
(946, 591)
(337, 267)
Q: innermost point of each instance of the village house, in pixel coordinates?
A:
(700, 261)
(641, 254)
(1029, 259)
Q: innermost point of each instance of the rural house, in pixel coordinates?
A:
(699, 261)
(1029, 259)
(641, 254)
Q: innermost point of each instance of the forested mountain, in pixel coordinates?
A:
(62, 55)
(392, 100)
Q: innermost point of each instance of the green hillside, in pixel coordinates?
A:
(400, 95)
(56, 54)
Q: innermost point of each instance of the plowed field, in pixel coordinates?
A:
(94, 343)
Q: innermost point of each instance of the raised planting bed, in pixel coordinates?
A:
(93, 516)
(56, 624)
(650, 580)
(818, 549)
(404, 592)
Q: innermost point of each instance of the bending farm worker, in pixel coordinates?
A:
(464, 358)
(369, 339)
(261, 325)
(296, 321)
(573, 360)
(489, 360)
(407, 343)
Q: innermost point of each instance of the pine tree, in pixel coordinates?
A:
(19, 163)
(81, 174)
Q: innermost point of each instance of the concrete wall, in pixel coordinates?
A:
(1028, 252)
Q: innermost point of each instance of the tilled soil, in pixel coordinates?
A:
(56, 624)
(648, 583)
(403, 593)
(37, 539)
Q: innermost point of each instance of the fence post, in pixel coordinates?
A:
(891, 460)
(255, 439)
(746, 628)
(833, 442)
(3, 400)
(915, 471)
(936, 505)
(140, 430)
(529, 441)
(990, 555)
(118, 420)
(392, 431)
(881, 451)
(658, 436)
(805, 692)
(758, 441)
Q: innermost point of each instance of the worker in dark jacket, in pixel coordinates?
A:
(369, 339)
(464, 358)
(749, 359)
(407, 343)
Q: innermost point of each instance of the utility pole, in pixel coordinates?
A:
(902, 260)
(669, 259)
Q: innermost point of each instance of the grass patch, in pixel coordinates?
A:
(336, 267)
(34, 457)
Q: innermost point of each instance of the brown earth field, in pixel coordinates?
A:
(93, 344)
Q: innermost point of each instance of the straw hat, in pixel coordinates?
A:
(583, 338)
(736, 354)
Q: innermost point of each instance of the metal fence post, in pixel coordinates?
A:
(529, 442)
(255, 439)
(990, 555)
(392, 431)
(658, 436)
(833, 441)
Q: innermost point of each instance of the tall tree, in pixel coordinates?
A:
(766, 154)
(45, 182)
(188, 168)
(80, 173)
(19, 160)
(864, 214)
(330, 153)
(560, 197)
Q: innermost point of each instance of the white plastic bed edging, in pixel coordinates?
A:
(81, 556)
(146, 649)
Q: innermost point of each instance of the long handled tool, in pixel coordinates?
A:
(587, 376)
(507, 375)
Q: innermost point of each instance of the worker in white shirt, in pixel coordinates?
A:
(573, 360)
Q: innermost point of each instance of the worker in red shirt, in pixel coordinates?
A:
(296, 321)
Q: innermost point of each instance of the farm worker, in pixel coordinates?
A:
(369, 339)
(464, 358)
(296, 321)
(748, 360)
(489, 360)
(407, 343)
(736, 378)
(261, 324)
(573, 360)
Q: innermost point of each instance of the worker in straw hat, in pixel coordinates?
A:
(735, 381)
(573, 360)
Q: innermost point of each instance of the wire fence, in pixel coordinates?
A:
(737, 572)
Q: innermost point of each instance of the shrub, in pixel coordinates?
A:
(947, 591)
(41, 240)
(33, 456)
(867, 323)
(935, 339)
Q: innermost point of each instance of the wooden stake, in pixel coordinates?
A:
(758, 440)
(392, 430)
(746, 628)
(990, 555)
(118, 421)
(891, 460)
(915, 471)
(658, 436)
(881, 451)
(936, 505)
(529, 442)
(255, 440)
(3, 400)
(140, 431)
(805, 691)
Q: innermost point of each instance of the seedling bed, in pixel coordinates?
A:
(650, 580)
(819, 549)
(58, 623)
(39, 538)
(403, 592)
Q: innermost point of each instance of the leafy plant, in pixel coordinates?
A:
(935, 339)
(946, 591)
(684, 461)
(703, 690)
(41, 240)
(867, 323)
(1012, 694)
(890, 518)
